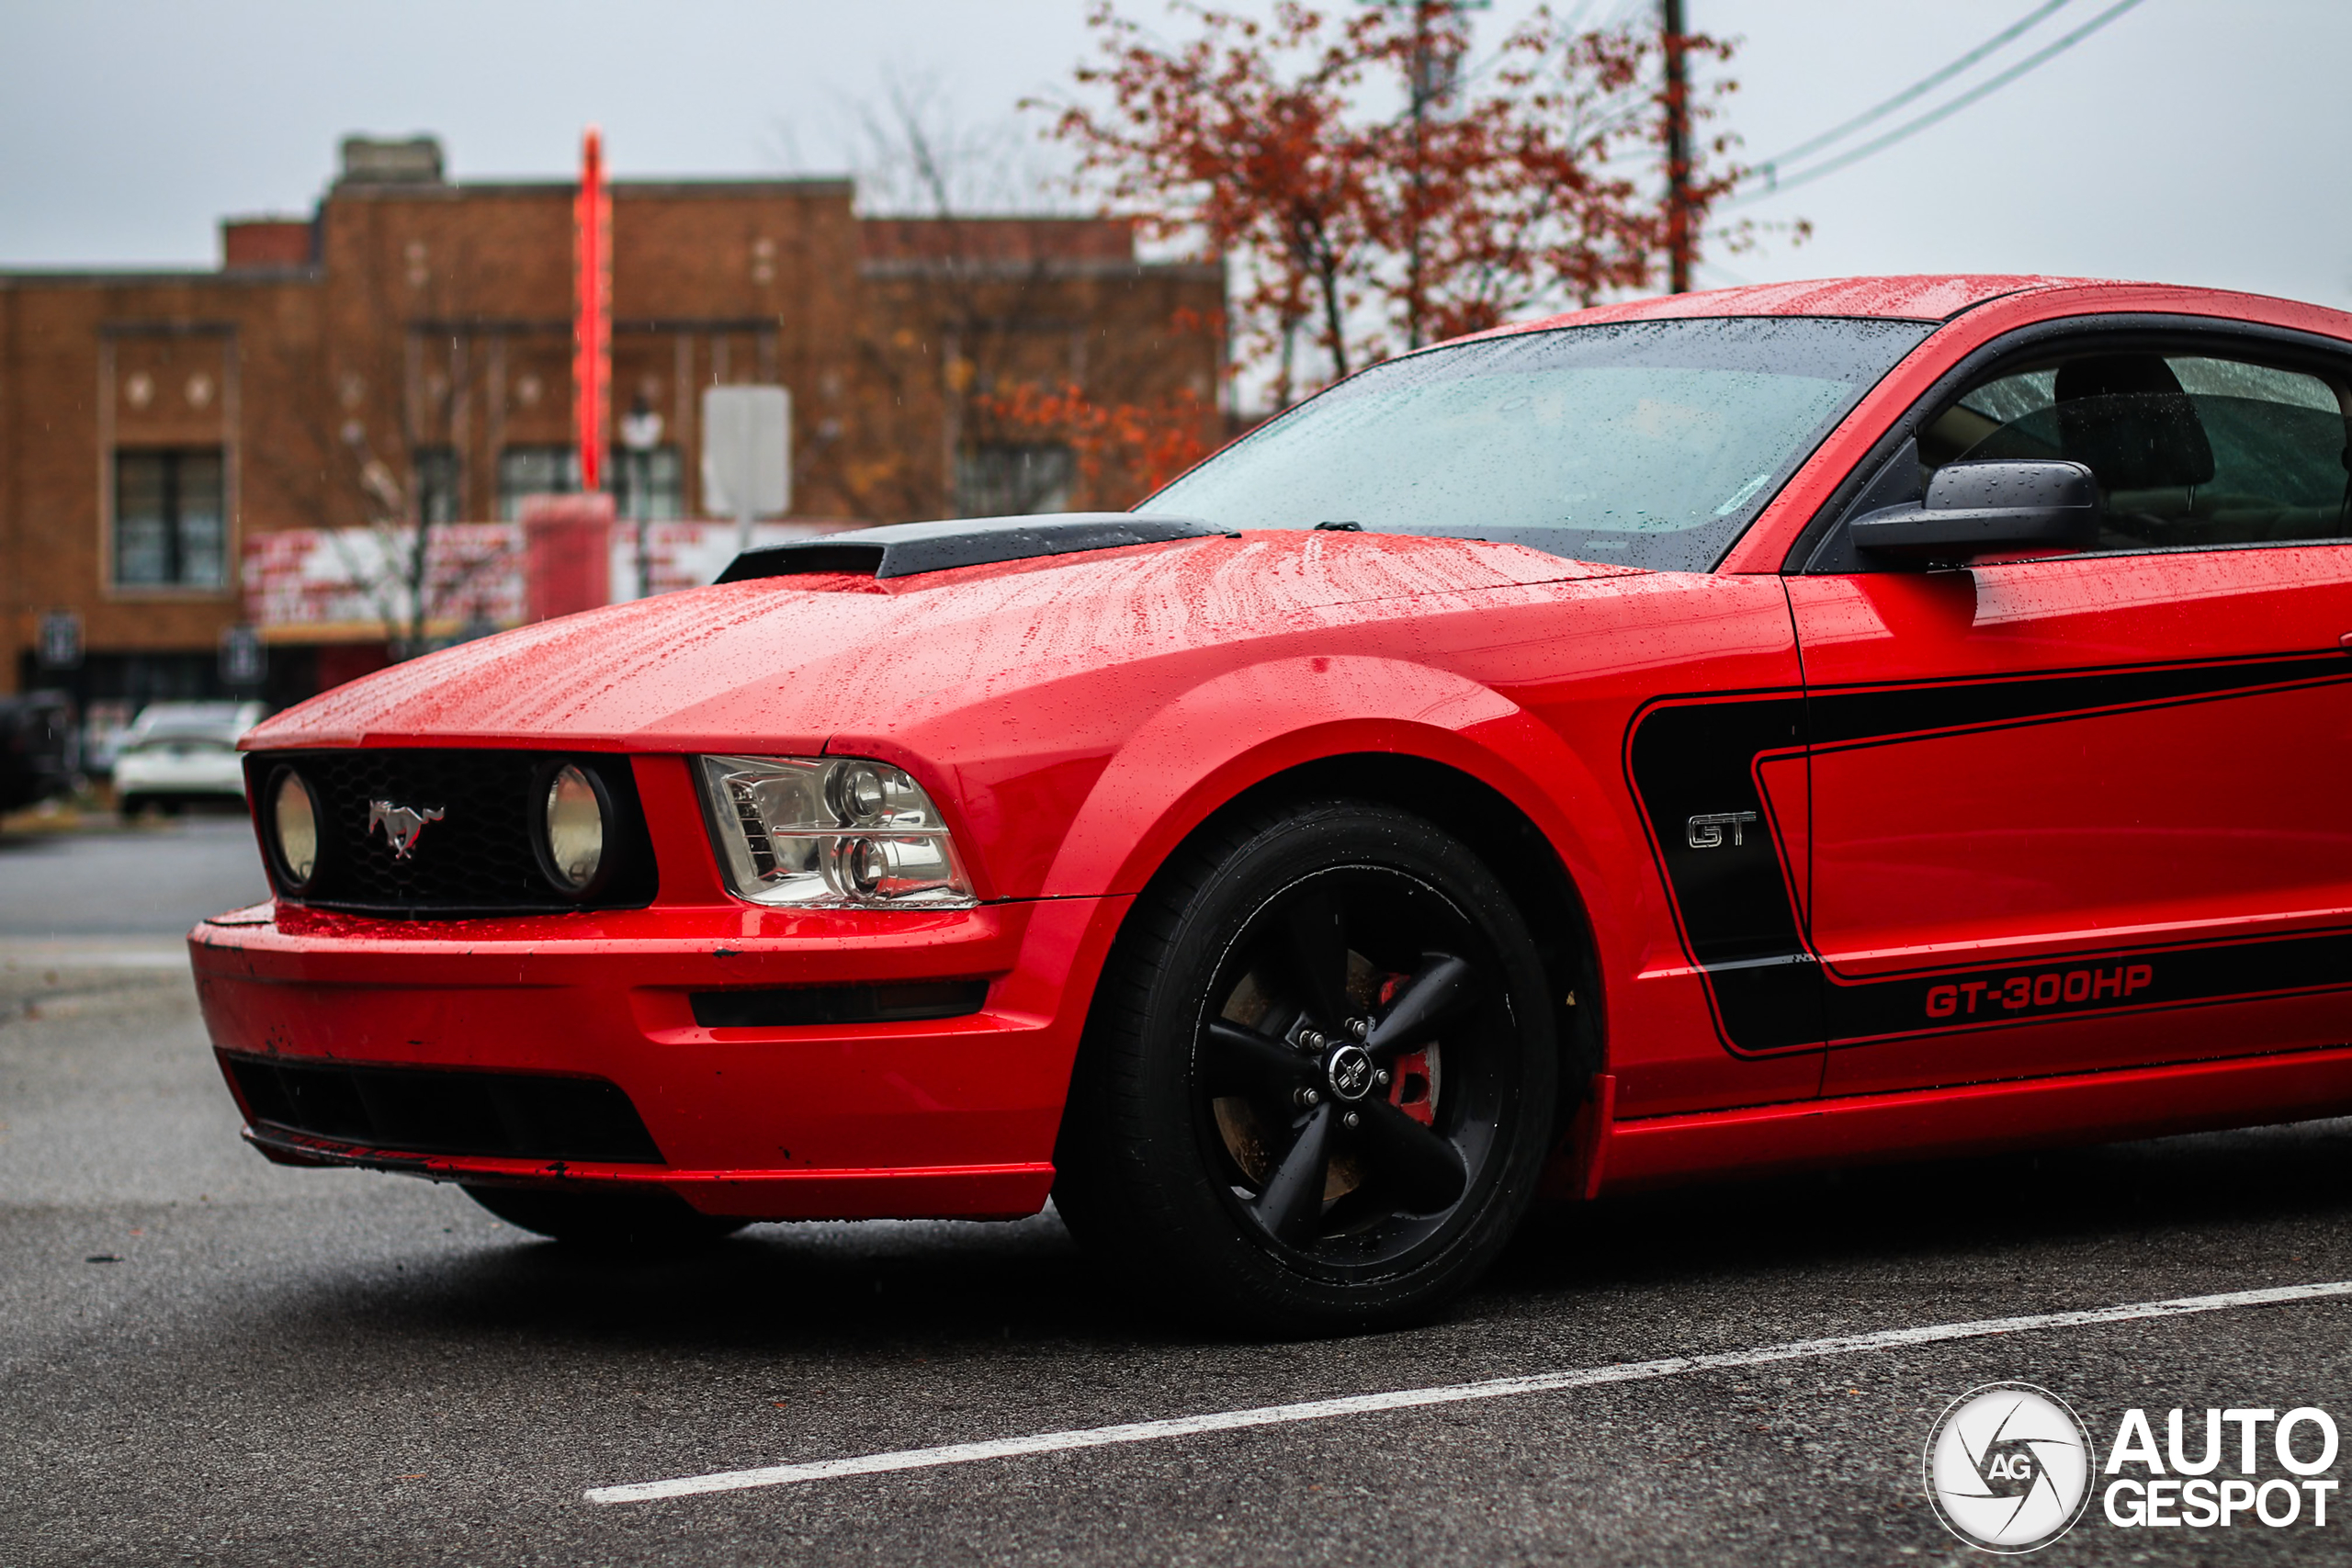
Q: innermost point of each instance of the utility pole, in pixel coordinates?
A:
(1432, 77)
(1422, 80)
(1677, 148)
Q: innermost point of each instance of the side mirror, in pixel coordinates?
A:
(1975, 508)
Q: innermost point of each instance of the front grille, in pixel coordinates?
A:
(429, 1111)
(480, 856)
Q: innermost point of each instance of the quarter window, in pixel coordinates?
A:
(2190, 450)
(170, 519)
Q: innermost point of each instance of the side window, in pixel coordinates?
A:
(2190, 449)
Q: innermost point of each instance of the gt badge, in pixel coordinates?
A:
(402, 823)
(1707, 831)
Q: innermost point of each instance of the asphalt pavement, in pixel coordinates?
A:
(156, 877)
(205, 1359)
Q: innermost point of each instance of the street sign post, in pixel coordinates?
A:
(640, 435)
(244, 659)
(747, 454)
(61, 640)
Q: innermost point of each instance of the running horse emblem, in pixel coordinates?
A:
(402, 823)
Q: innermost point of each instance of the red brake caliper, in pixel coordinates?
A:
(1410, 1091)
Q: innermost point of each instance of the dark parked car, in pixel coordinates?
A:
(36, 748)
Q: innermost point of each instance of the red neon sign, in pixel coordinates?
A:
(591, 335)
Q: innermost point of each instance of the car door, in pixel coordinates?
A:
(2088, 811)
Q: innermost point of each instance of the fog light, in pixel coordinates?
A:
(294, 821)
(574, 829)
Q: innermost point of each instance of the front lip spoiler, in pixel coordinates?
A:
(958, 1191)
(284, 1146)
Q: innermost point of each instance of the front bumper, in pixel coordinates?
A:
(940, 1117)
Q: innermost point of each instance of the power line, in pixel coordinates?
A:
(1924, 85)
(1943, 111)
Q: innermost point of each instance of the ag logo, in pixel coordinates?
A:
(2008, 1467)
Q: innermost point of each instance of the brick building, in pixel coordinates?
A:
(404, 352)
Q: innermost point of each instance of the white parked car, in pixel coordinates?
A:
(176, 754)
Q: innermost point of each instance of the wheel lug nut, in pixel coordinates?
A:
(1311, 1040)
(1308, 1098)
(1361, 1028)
(1383, 1078)
(1352, 1120)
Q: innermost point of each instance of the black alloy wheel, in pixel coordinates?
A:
(1317, 1088)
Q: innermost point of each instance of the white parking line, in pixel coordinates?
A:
(1447, 1393)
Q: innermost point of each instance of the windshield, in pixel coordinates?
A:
(1649, 442)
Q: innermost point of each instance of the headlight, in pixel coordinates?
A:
(572, 829)
(830, 831)
(294, 828)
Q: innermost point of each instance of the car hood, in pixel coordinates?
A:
(782, 664)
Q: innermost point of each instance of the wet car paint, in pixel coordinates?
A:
(1076, 718)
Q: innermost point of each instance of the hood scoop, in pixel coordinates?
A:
(904, 549)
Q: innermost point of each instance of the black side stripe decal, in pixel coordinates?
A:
(1872, 715)
(1739, 923)
(2036, 990)
(1689, 756)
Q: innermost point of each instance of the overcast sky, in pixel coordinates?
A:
(2193, 140)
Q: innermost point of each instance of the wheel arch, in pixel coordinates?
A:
(1506, 840)
(1510, 845)
(1240, 730)
(1394, 732)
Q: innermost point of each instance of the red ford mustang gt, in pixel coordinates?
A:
(1735, 730)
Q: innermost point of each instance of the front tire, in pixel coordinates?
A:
(604, 1221)
(1317, 1088)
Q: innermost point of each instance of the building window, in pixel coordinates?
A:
(654, 479)
(534, 470)
(1006, 479)
(555, 470)
(438, 499)
(170, 519)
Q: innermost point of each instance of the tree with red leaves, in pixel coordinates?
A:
(1124, 451)
(1374, 194)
